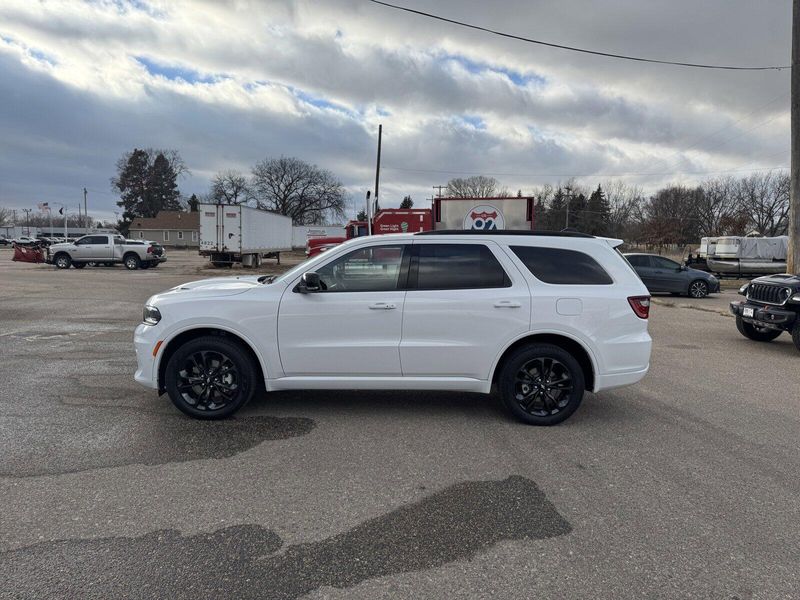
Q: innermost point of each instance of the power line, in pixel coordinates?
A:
(568, 175)
(581, 50)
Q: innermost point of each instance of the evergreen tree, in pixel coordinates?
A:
(540, 215)
(146, 181)
(362, 215)
(407, 202)
(192, 203)
(598, 213)
(163, 193)
(577, 212)
(557, 212)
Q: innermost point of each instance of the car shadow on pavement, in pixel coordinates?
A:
(149, 440)
(243, 561)
(319, 403)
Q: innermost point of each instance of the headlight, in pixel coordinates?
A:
(151, 315)
(795, 298)
(743, 289)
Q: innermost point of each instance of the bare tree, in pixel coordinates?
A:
(719, 211)
(292, 187)
(671, 216)
(764, 197)
(625, 208)
(230, 187)
(5, 216)
(477, 186)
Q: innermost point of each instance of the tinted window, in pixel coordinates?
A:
(458, 266)
(95, 239)
(560, 266)
(373, 269)
(659, 262)
(639, 260)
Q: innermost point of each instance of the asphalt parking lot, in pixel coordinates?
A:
(685, 485)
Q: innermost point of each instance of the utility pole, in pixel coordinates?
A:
(85, 212)
(27, 212)
(439, 188)
(369, 216)
(793, 229)
(569, 197)
(378, 167)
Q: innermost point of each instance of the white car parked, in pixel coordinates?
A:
(542, 316)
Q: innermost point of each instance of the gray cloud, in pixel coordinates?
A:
(313, 79)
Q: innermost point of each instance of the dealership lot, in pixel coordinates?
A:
(683, 485)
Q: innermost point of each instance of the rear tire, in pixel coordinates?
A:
(759, 334)
(210, 377)
(542, 384)
(131, 262)
(698, 289)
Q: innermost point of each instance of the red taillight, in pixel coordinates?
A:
(640, 305)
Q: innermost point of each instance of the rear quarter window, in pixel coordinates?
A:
(561, 266)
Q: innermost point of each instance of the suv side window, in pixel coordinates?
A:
(561, 266)
(371, 269)
(456, 266)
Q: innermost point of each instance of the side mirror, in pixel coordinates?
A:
(309, 282)
(683, 268)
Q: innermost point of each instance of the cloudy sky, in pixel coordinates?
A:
(228, 83)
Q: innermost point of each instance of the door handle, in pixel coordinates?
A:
(507, 304)
(382, 306)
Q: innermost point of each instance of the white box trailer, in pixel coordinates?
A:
(230, 234)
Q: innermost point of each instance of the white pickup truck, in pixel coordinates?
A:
(102, 248)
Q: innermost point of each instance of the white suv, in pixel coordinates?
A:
(543, 316)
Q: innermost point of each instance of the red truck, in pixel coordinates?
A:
(388, 220)
(448, 213)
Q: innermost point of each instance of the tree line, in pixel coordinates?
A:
(147, 182)
(674, 214)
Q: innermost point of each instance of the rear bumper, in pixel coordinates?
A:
(616, 380)
(765, 316)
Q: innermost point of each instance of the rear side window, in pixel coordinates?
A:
(638, 260)
(561, 266)
(457, 266)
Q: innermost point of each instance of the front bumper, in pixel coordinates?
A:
(145, 340)
(713, 286)
(772, 317)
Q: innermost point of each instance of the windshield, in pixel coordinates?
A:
(304, 266)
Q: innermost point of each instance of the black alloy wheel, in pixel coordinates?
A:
(542, 384)
(210, 378)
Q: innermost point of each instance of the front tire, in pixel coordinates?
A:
(758, 334)
(63, 261)
(698, 289)
(210, 378)
(132, 262)
(796, 334)
(542, 384)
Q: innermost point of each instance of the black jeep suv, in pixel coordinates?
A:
(772, 306)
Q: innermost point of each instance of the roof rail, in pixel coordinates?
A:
(574, 234)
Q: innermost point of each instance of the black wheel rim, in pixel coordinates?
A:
(543, 387)
(698, 289)
(208, 380)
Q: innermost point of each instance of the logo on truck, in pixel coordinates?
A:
(484, 216)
